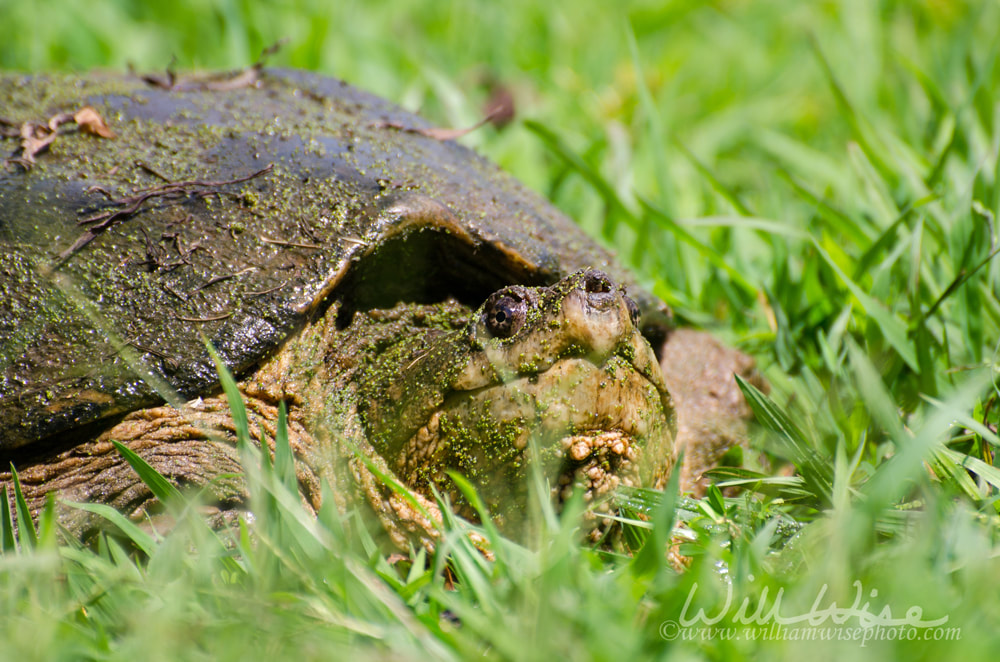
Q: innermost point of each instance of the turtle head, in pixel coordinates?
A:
(560, 374)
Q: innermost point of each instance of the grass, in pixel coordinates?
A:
(815, 182)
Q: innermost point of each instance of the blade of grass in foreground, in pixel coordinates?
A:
(6, 523)
(284, 460)
(26, 533)
(161, 488)
(236, 407)
(139, 538)
(47, 525)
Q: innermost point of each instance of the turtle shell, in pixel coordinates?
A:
(227, 213)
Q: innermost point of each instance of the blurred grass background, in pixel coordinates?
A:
(815, 181)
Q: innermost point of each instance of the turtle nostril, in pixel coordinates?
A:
(597, 282)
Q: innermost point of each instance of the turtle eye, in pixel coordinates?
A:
(633, 311)
(505, 315)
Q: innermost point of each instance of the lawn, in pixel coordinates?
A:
(814, 182)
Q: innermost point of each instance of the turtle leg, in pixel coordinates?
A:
(194, 446)
(712, 414)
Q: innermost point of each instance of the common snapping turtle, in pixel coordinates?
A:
(406, 299)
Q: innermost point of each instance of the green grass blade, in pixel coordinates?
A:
(136, 535)
(956, 472)
(237, 408)
(25, 524)
(7, 543)
(284, 459)
(485, 517)
(47, 525)
(161, 488)
(987, 472)
(961, 279)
